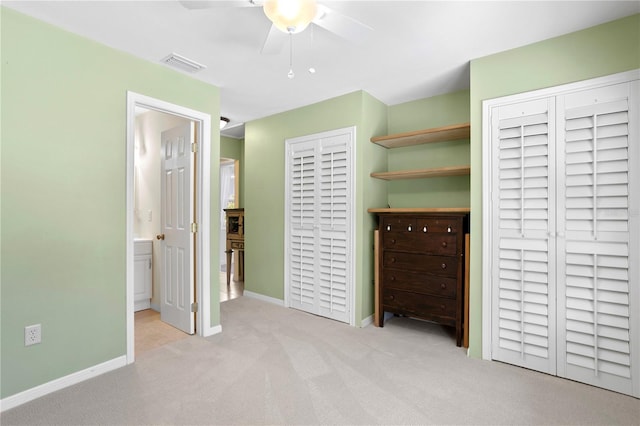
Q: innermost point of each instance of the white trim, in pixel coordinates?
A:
(366, 321)
(487, 205)
(203, 212)
(634, 229)
(264, 298)
(61, 383)
(487, 196)
(141, 305)
(216, 329)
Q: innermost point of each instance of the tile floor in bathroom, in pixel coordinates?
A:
(151, 332)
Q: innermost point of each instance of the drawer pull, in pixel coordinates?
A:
(448, 229)
(443, 286)
(393, 241)
(442, 307)
(444, 266)
(392, 278)
(392, 297)
(424, 229)
(409, 228)
(388, 227)
(393, 260)
(444, 244)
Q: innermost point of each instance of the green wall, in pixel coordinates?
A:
(234, 148)
(443, 110)
(265, 182)
(63, 136)
(605, 49)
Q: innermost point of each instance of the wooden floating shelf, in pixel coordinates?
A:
(436, 134)
(423, 173)
(420, 210)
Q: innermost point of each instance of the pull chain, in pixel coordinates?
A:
(291, 74)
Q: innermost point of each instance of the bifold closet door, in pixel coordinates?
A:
(523, 274)
(301, 222)
(598, 258)
(565, 261)
(319, 223)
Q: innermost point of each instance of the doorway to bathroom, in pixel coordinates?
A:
(168, 211)
(162, 209)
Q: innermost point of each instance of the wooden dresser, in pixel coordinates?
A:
(421, 267)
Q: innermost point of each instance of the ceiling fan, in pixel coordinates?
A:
(293, 16)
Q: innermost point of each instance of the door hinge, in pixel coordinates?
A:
(194, 147)
(194, 307)
(194, 227)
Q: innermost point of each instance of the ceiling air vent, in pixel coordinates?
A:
(183, 63)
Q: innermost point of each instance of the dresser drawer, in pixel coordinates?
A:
(449, 225)
(431, 243)
(419, 283)
(421, 306)
(446, 266)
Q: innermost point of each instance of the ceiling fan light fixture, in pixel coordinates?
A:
(290, 16)
(223, 122)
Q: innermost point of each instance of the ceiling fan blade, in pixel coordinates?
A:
(341, 25)
(207, 4)
(274, 42)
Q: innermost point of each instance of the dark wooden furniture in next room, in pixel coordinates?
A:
(235, 241)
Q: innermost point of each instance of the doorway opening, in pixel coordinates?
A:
(142, 210)
(229, 199)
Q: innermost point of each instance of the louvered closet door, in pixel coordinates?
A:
(523, 274)
(598, 287)
(302, 246)
(319, 224)
(334, 214)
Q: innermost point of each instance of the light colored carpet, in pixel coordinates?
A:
(273, 365)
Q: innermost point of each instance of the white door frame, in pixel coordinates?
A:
(202, 212)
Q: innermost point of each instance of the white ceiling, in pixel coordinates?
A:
(417, 49)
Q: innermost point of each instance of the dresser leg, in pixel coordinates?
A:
(229, 253)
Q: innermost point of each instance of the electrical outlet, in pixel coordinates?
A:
(32, 334)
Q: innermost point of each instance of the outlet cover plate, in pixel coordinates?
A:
(32, 334)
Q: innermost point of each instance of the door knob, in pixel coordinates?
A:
(160, 236)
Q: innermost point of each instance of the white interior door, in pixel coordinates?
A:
(177, 294)
(301, 223)
(318, 272)
(523, 296)
(597, 264)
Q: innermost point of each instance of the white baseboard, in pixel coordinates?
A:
(155, 307)
(141, 305)
(263, 298)
(365, 322)
(61, 383)
(210, 331)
